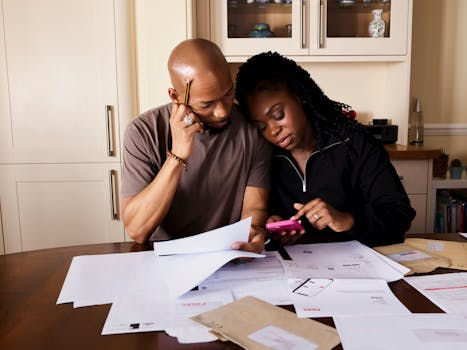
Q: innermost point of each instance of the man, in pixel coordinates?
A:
(195, 164)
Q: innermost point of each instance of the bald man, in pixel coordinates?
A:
(195, 164)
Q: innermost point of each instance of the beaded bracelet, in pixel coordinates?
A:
(181, 161)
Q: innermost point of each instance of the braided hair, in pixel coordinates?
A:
(271, 71)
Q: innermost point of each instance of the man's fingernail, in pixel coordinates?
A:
(235, 246)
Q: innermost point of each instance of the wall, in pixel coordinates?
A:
(160, 25)
(439, 72)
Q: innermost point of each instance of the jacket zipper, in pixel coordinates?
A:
(303, 179)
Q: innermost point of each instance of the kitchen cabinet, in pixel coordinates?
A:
(414, 165)
(67, 92)
(415, 175)
(308, 28)
(54, 205)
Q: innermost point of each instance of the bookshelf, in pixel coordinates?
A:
(441, 189)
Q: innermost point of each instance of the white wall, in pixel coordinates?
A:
(439, 72)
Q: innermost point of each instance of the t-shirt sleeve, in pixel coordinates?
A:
(138, 169)
(261, 160)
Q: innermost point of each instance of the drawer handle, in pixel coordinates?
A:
(109, 119)
(113, 195)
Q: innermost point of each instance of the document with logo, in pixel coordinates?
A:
(338, 297)
(448, 290)
(340, 260)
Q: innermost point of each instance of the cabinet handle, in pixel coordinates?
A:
(303, 27)
(113, 195)
(321, 25)
(109, 119)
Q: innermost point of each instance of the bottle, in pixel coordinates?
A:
(416, 130)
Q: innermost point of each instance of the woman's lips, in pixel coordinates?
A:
(285, 141)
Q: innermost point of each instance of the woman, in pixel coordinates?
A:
(326, 169)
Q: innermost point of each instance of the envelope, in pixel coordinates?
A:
(456, 252)
(257, 325)
(417, 259)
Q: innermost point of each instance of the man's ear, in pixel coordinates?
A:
(173, 95)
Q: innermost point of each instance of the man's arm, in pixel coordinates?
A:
(144, 212)
(255, 202)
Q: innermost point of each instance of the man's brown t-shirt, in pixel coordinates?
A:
(210, 192)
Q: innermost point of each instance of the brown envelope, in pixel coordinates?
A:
(250, 318)
(456, 252)
(427, 263)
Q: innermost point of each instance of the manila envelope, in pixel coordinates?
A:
(417, 259)
(454, 251)
(256, 325)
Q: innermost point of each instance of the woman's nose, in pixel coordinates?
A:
(275, 130)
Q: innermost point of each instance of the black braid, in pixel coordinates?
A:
(270, 71)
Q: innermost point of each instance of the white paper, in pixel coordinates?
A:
(403, 332)
(409, 255)
(197, 333)
(186, 262)
(463, 234)
(347, 297)
(261, 278)
(340, 260)
(448, 291)
(279, 339)
(210, 241)
(185, 271)
(99, 279)
(147, 312)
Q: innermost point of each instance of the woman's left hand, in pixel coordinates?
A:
(321, 215)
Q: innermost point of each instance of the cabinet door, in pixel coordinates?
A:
(418, 202)
(341, 27)
(44, 206)
(279, 27)
(61, 68)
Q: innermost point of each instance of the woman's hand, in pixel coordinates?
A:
(321, 215)
(285, 237)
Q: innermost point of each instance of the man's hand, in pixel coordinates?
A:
(285, 237)
(183, 134)
(255, 242)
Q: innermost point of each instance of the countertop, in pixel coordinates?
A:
(397, 151)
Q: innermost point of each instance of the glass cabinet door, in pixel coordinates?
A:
(358, 27)
(247, 27)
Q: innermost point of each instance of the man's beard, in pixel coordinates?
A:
(213, 131)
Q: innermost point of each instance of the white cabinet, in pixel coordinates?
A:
(54, 205)
(307, 27)
(67, 91)
(416, 176)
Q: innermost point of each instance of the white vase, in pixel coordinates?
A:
(377, 25)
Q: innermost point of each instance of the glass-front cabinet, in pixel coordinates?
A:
(311, 27)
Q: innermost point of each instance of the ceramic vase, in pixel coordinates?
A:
(377, 25)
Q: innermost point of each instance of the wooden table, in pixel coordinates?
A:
(30, 283)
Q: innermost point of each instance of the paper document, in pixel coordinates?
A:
(340, 260)
(99, 279)
(337, 297)
(186, 262)
(416, 259)
(456, 252)
(256, 325)
(403, 332)
(448, 290)
(261, 278)
(147, 312)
